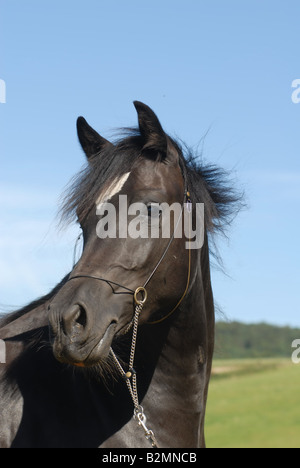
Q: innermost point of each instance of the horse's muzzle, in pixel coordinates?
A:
(73, 339)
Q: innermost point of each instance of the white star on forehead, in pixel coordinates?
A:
(114, 188)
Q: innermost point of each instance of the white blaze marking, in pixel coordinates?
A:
(114, 188)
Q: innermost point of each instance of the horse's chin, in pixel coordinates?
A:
(92, 353)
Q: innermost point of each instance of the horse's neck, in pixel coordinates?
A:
(32, 320)
(178, 391)
(15, 332)
(188, 349)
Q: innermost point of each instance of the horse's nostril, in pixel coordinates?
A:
(74, 320)
(81, 319)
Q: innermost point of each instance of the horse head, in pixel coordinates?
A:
(120, 201)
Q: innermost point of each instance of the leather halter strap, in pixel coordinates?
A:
(110, 283)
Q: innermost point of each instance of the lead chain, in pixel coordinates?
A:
(130, 378)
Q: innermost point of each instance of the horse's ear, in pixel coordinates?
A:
(91, 142)
(155, 140)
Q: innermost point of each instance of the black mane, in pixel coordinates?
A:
(206, 183)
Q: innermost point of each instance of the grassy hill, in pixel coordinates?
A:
(253, 399)
(254, 403)
(236, 340)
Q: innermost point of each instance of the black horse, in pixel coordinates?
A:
(133, 322)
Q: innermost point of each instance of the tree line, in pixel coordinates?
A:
(235, 340)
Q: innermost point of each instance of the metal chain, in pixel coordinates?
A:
(131, 381)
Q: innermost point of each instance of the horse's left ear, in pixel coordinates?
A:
(156, 141)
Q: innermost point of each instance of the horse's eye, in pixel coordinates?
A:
(154, 210)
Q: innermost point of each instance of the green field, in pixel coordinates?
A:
(254, 403)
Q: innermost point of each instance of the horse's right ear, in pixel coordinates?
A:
(91, 142)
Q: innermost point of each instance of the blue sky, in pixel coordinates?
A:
(222, 65)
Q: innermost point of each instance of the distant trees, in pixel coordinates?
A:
(238, 340)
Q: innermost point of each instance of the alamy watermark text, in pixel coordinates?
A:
(296, 92)
(296, 353)
(2, 92)
(2, 352)
(151, 221)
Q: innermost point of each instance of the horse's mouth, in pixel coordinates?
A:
(85, 355)
(101, 350)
